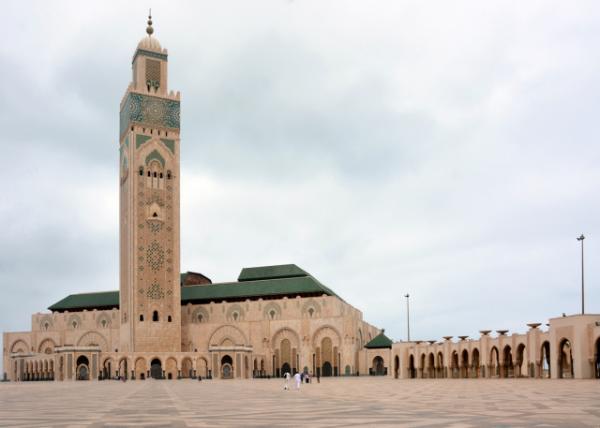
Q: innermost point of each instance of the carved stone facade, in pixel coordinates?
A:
(282, 321)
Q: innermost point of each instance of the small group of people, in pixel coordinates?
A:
(299, 378)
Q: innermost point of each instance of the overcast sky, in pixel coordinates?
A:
(444, 149)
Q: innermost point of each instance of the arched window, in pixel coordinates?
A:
(155, 316)
(155, 172)
(141, 171)
(141, 317)
(168, 174)
(169, 318)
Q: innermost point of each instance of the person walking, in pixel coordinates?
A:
(298, 381)
(286, 381)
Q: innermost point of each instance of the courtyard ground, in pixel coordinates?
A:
(340, 402)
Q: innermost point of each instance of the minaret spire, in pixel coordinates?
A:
(149, 28)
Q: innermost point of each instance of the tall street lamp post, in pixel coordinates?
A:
(581, 238)
(407, 318)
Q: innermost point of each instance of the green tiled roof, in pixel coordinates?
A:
(379, 341)
(270, 272)
(262, 288)
(103, 299)
(291, 286)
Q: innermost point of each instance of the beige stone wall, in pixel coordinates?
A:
(266, 334)
(259, 336)
(567, 349)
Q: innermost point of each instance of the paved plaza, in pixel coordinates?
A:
(336, 402)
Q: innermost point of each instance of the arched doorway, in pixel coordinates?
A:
(202, 365)
(122, 368)
(397, 366)
(412, 373)
(106, 369)
(464, 366)
(440, 365)
(475, 363)
(494, 362)
(507, 362)
(187, 369)
(327, 357)
(431, 365)
(565, 363)
(140, 368)
(545, 361)
(285, 368)
(378, 367)
(83, 368)
(520, 359)
(226, 367)
(156, 369)
(454, 364)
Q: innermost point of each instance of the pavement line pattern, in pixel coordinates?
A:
(335, 402)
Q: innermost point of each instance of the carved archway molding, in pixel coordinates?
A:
(44, 343)
(20, 345)
(326, 331)
(92, 338)
(228, 332)
(285, 333)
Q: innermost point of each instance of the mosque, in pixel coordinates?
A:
(274, 319)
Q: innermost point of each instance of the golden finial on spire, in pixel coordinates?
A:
(149, 28)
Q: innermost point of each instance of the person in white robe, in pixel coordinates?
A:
(286, 381)
(298, 380)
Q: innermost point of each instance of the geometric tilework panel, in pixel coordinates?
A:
(140, 139)
(155, 155)
(155, 256)
(169, 143)
(149, 110)
(155, 292)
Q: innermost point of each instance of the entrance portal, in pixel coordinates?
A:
(156, 369)
(226, 367)
(83, 368)
(378, 368)
(286, 369)
(327, 370)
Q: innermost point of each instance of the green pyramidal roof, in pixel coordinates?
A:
(270, 272)
(379, 341)
(266, 281)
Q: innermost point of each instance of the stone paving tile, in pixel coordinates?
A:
(335, 402)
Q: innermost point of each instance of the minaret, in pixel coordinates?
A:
(150, 298)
